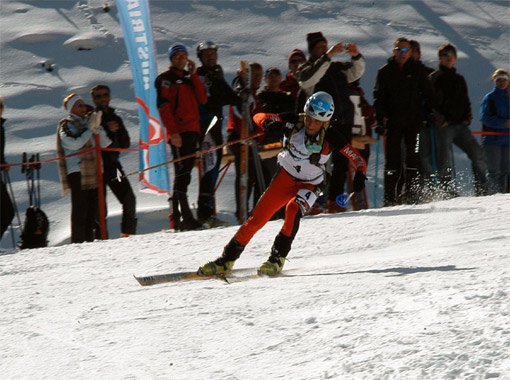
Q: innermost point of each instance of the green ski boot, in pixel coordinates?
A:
(223, 264)
(272, 267)
(216, 267)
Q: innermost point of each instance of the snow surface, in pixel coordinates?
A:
(409, 292)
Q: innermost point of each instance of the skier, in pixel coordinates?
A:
(307, 145)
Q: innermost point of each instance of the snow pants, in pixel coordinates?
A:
(281, 192)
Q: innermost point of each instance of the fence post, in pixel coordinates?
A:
(100, 190)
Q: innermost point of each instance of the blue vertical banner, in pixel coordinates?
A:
(136, 26)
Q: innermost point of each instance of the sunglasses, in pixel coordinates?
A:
(402, 50)
(103, 95)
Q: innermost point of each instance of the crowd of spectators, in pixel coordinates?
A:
(418, 112)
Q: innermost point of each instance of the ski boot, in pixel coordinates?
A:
(223, 264)
(279, 251)
(217, 267)
(272, 267)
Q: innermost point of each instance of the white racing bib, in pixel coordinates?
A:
(305, 199)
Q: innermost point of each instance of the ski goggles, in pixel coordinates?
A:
(402, 49)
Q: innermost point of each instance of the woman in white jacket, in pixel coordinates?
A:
(77, 164)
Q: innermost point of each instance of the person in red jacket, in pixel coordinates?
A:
(307, 145)
(180, 92)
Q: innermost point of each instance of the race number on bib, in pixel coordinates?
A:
(305, 199)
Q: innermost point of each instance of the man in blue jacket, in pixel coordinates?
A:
(495, 116)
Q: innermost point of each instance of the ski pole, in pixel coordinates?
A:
(376, 175)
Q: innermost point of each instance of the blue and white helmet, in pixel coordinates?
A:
(320, 106)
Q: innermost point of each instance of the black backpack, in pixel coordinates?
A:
(36, 226)
(35, 229)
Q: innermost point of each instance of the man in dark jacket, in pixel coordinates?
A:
(219, 94)
(452, 116)
(180, 92)
(113, 173)
(400, 91)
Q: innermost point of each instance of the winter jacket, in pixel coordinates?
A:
(332, 77)
(494, 112)
(179, 95)
(119, 138)
(450, 102)
(73, 135)
(399, 94)
(219, 93)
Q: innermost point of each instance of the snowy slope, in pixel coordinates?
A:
(36, 32)
(398, 293)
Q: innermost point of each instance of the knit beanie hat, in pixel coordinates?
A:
(175, 48)
(70, 100)
(313, 39)
(298, 53)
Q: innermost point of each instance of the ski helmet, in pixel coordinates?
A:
(205, 45)
(320, 106)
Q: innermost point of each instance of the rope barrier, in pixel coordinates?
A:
(197, 154)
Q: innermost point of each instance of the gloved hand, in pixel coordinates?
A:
(95, 121)
(358, 184)
(380, 129)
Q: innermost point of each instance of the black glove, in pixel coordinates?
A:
(380, 129)
(358, 184)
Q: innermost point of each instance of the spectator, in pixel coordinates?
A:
(234, 133)
(308, 144)
(452, 116)
(400, 91)
(78, 173)
(219, 94)
(427, 138)
(273, 100)
(113, 173)
(364, 121)
(319, 73)
(495, 116)
(180, 92)
(7, 213)
(290, 84)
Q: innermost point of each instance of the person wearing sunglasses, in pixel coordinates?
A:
(451, 113)
(401, 90)
(113, 173)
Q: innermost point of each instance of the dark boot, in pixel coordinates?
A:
(188, 220)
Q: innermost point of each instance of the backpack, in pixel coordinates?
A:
(35, 229)
(36, 226)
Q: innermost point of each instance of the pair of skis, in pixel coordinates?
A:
(236, 275)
